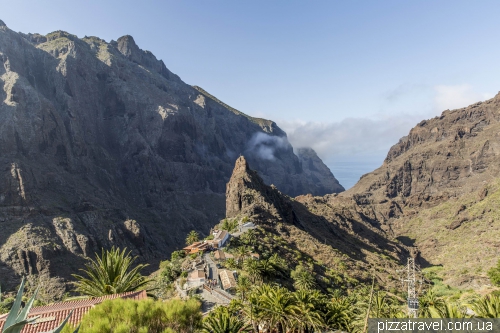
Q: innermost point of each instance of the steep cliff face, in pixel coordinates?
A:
(100, 145)
(438, 189)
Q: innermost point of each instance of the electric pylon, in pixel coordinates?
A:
(410, 278)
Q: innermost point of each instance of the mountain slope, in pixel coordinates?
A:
(323, 228)
(100, 145)
(438, 190)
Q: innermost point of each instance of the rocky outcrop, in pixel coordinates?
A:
(100, 145)
(321, 227)
(317, 171)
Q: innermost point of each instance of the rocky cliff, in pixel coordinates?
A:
(327, 229)
(101, 144)
(437, 193)
(438, 189)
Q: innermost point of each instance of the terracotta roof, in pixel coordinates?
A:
(189, 247)
(52, 315)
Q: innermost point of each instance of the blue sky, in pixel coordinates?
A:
(348, 78)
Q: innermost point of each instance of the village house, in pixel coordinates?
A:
(220, 237)
(227, 278)
(197, 247)
(197, 276)
(221, 255)
(51, 316)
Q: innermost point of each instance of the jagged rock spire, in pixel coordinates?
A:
(248, 195)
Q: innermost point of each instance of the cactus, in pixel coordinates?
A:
(17, 317)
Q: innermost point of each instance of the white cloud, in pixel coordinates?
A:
(351, 136)
(457, 96)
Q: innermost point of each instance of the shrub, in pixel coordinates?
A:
(130, 316)
(494, 274)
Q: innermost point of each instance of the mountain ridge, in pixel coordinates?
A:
(101, 145)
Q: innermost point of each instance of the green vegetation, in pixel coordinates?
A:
(18, 317)
(222, 321)
(228, 224)
(146, 316)
(112, 273)
(494, 274)
(192, 237)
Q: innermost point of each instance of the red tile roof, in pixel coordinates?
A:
(52, 315)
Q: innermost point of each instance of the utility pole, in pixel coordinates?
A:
(410, 280)
(369, 305)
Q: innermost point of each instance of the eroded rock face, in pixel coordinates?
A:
(332, 223)
(101, 145)
(434, 191)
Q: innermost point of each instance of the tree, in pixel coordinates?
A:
(221, 321)
(126, 315)
(307, 310)
(192, 237)
(339, 313)
(268, 269)
(494, 274)
(241, 253)
(243, 287)
(170, 270)
(487, 307)
(277, 307)
(111, 273)
(303, 279)
(231, 263)
(250, 237)
(253, 269)
(449, 310)
(428, 301)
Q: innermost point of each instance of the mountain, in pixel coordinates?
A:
(439, 190)
(341, 242)
(101, 145)
(436, 196)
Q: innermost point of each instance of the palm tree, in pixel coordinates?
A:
(307, 310)
(250, 237)
(303, 279)
(243, 287)
(339, 313)
(268, 269)
(241, 253)
(428, 301)
(231, 263)
(449, 310)
(192, 237)
(253, 269)
(221, 321)
(487, 307)
(278, 307)
(112, 273)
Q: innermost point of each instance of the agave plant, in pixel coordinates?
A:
(18, 317)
